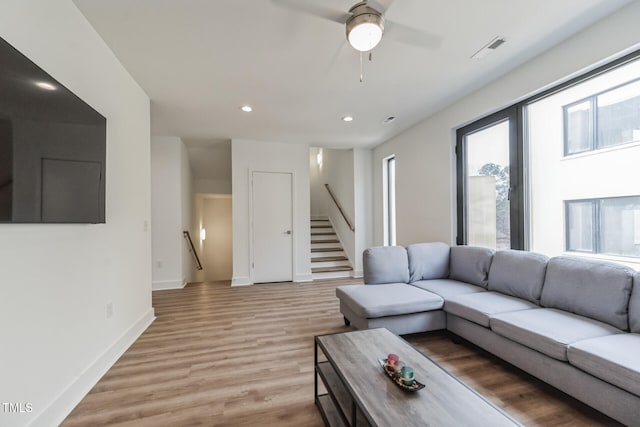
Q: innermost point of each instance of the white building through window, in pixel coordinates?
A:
(583, 151)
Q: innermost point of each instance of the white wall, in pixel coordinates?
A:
(337, 171)
(171, 213)
(212, 186)
(317, 191)
(269, 157)
(57, 280)
(186, 210)
(425, 170)
(363, 205)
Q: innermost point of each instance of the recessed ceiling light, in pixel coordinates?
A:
(45, 85)
(246, 108)
(347, 119)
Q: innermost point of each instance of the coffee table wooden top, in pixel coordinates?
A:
(445, 401)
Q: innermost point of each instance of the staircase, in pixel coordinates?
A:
(328, 260)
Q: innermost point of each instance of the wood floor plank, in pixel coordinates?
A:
(243, 356)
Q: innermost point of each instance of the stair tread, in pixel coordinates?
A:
(329, 258)
(326, 249)
(323, 233)
(321, 226)
(331, 269)
(325, 241)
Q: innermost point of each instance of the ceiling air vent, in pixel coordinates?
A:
(488, 48)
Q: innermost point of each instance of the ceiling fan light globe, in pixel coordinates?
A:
(364, 27)
(365, 36)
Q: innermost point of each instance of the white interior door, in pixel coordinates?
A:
(272, 219)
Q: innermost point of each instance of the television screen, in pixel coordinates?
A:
(52, 148)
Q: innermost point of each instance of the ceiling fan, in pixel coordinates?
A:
(365, 23)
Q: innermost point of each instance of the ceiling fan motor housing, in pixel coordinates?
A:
(364, 27)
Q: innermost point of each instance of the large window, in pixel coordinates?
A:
(571, 180)
(603, 120)
(609, 226)
(389, 174)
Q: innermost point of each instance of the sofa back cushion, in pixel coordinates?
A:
(634, 305)
(470, 264)
(385, 264)
(428, 261)
(596, 289)
(518, 273)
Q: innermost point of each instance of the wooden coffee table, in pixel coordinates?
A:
(359, 393)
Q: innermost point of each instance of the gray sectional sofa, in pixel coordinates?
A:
(573, 323)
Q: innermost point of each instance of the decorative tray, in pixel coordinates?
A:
(415, 386)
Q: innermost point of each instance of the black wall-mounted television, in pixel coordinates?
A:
(52, 148)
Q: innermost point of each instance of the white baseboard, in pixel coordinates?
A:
(358, 274)
(303, 278)
(167, 284)
(240, 281)
(62, 406)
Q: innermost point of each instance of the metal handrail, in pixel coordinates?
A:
(192, 249)
(335, 200)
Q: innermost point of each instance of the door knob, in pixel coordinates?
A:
(287, 232)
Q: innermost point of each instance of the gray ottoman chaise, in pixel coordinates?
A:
(573, 323)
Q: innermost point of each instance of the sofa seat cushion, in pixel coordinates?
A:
(393, 299)
(447, 288)
(480, 306)
(613, 358)
(548, 330)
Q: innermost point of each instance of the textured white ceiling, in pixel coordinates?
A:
(199, 60)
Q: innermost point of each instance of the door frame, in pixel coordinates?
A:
(294, 233)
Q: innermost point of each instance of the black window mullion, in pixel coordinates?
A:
(516, 177)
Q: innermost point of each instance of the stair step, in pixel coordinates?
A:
(323, 233)
(325, 241)
(321, 226)
(332, 275)
(326, 249)
(331, 269)
(329, 258)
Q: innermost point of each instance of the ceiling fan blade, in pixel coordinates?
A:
(312, 9)
(404, 34)
(339, 53)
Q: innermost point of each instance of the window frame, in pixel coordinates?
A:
(596, 229)
(594, 128)
(389, 200)
(516, 177)
(595, 226)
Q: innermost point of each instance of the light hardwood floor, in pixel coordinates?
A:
(243, 356)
